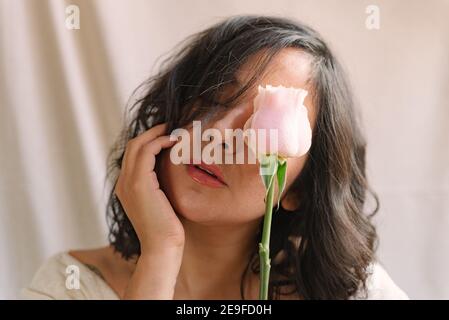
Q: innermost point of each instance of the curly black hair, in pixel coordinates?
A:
(328, 242)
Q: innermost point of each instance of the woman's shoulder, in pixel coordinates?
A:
(62, 276)
(380, 286)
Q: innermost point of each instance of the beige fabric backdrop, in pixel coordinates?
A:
(63, 92)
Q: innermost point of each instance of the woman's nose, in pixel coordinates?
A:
(234, 119)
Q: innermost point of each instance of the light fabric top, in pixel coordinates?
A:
(50, 283)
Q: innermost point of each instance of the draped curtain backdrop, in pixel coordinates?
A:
(63, 94)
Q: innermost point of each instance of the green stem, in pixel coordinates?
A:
(264, 246)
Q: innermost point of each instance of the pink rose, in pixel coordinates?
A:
(282, 109)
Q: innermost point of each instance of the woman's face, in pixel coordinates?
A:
(241, 199)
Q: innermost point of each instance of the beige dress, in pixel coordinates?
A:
(51, 282)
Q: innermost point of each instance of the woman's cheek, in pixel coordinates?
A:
(294, 168)
(251, 197)
(254, 194)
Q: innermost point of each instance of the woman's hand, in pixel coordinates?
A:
(160, 232)
(145, 204)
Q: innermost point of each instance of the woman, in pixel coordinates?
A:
(175, 236)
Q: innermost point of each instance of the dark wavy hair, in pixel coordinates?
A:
(322, 249)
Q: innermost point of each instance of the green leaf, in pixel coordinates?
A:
(281, 177)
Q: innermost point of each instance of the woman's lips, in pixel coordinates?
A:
(206, 174)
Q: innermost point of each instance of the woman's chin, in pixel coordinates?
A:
(211, 218)
(198, 215)
(195, 206)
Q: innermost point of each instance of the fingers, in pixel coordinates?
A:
(146, 158)
(151, 134)
(133, 146)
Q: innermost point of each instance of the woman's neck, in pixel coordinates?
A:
(214, 259)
